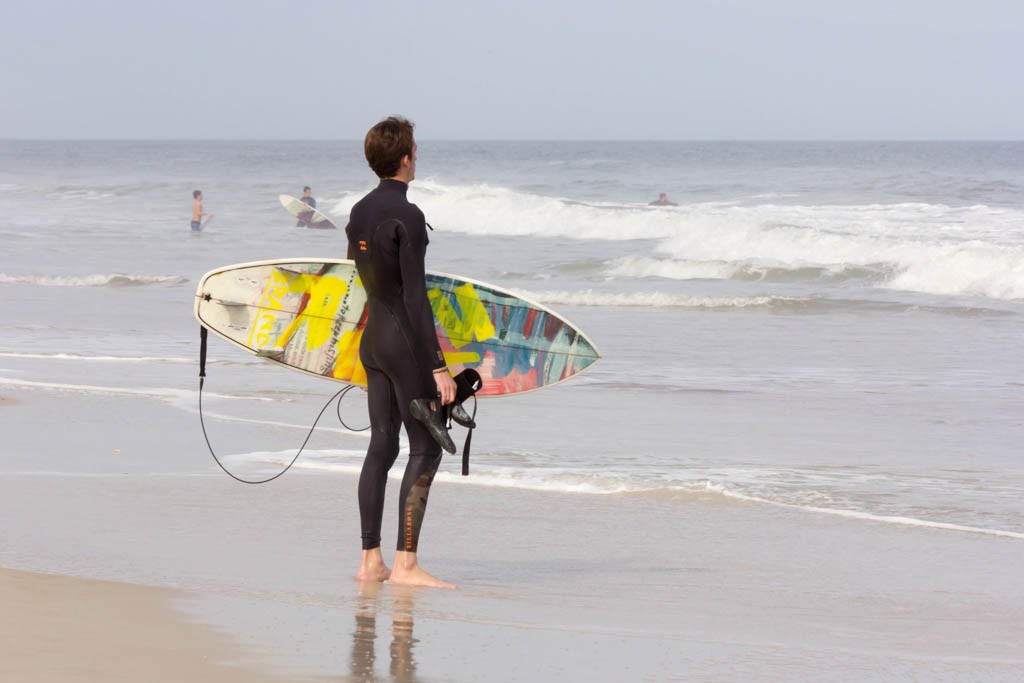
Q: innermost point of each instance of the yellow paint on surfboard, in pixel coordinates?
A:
(474, 323)
(461, 357)
(325, 294)
(270, 302)
(347, 365)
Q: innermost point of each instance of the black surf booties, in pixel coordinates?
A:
(467, 383)
(430, 413)
(459, 414)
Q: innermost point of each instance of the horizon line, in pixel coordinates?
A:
(443, 139)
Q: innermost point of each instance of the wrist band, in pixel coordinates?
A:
(438, 371)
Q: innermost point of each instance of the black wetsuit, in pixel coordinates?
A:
(306, 217)
(387, 238)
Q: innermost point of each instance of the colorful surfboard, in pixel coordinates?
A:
(309, 314)
(307, 215)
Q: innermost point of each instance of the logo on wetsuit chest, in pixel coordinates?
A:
(362, 245)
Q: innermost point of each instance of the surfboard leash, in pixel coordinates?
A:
(339, 395)
(467, 442)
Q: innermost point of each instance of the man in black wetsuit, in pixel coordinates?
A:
(307, 198)
(407, 378)
(662, 200)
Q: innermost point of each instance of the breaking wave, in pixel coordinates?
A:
(930, 248)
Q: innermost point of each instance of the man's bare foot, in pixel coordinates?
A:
(408, 573)
(418, 577)
(379, 574)
(372, 567)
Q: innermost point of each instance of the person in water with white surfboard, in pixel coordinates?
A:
(306, 216)
(408, 381)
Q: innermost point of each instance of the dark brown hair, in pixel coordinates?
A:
(386, 144)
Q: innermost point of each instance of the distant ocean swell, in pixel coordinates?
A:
(162, 360)
(929, 248)
(591, 297)
(768, 304)
(105, 280)
(636, 266)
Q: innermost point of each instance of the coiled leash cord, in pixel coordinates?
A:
(202, 377)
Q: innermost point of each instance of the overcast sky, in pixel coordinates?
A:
(518, 69)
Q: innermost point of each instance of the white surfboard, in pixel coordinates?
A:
(308, 216)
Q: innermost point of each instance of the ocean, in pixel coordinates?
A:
(830, 329)
(846, 318)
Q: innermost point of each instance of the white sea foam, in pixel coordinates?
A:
(106, 359)
(616, 485)
(341, 461)
(533, 479)
(63, 193)
(557, 480)
(974, 268)
(634, 266)
(107, 280)
(548, 481)
(174, 395)
(948, 267)
(186, 400)
(931, 248)
(335, 460)
(487, 210)
(564, 482)
(638, 266)
(208, 415)
(589, 297)
(860, 515)
(238, 361)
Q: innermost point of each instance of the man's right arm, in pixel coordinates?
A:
(412, 252)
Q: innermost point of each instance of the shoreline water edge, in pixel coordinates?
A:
(798, 458)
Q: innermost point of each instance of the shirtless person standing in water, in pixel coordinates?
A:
(407, 379)
(197, 211)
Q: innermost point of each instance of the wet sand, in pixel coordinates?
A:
(58, 628)
(552, 586)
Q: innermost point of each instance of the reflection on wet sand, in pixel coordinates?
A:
(364, 655)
